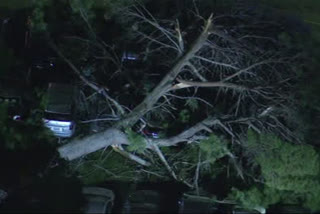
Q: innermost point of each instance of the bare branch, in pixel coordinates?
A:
(155, 24)
(196, 72)
(156, 41)
(216, 63)
(185, 97)
(249, 68)
(196, 184)
(165, 84)
(180, 39)
(101, 119)
(187, 84)
(152, 173)
(164, 161)
(187, 134)
(120, 150)
(105, 170)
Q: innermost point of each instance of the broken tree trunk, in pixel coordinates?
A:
(92, 143)
(80, 147)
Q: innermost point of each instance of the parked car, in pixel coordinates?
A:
(16, 97)
(289, 209)
(145, 201)
(131, 56)
(14, 110)
(190, 205)
(244, 211)
(43, 63)
(99, 200)
(162, 198)
(60, 109)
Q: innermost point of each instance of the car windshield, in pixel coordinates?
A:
(59, 117)
(60, 98)
(96, 207)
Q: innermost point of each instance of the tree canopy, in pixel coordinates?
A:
(289, 173)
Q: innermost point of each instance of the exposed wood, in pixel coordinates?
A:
(120, 150)
(220, 84)
(80, 147)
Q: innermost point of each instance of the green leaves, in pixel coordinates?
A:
(137, 142)
(256, 197)
(41, 95)
(192, 104)
(286, 169)
(16, 135)
(184, 115)
(248, 199)
(104, 166)
(83, 7)
(213, 148)
(289, 167)
(38, 23)
(286, 159)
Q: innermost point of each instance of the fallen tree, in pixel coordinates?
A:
(223, 61)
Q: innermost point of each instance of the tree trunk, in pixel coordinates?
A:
(92, 143)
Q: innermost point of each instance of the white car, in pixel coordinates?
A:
(99, 200)
(60, 109)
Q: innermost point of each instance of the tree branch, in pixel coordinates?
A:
(120, 150)
(196, 182)
(248, 69)
(164, 161)
(166, 82)
(187, 84)
(188, 133)
(196, 72)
